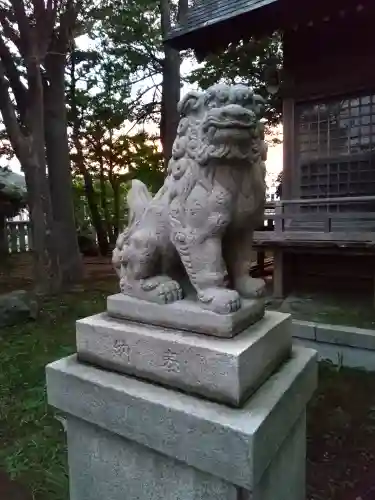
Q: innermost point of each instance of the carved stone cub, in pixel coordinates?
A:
(205, 213)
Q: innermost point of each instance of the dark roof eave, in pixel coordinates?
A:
(191, 39)
(208, 37)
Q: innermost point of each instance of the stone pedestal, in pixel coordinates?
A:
(186, 315)
(157, 413)
(223, 370)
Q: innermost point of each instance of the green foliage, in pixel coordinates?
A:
(112, 164)
(82, 210)
(127, 35)
(252, 63)
(106, 150)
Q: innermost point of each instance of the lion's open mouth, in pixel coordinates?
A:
(216, 129)
(230, 122)
(238, 125)
(231, 118)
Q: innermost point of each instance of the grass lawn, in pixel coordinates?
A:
(341, 419)
(339, 309)
(32, 447)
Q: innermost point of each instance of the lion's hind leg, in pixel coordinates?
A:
(141, 271)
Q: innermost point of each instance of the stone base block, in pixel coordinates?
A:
(131, 439)
(104, 466)
(186, 315)
(224, 370)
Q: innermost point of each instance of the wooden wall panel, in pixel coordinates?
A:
(330, 58)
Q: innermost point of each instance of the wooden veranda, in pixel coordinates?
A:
(310, 235)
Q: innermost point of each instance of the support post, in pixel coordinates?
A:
(278, 273)
(260, 261)
(3, 236)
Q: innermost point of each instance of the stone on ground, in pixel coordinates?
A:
(16, 307)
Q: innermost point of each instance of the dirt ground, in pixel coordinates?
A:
(341, 437)
(11, 490)
(17, 273)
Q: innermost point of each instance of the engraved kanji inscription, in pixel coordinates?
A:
(171, 362)
(121, 348)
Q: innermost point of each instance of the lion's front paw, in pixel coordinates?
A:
(251, 288)
(159, 289)
(169, 292)
(220, 300)
(151, 283)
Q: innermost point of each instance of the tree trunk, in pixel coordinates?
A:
(170, 99)
(46, 255)
(3, 236)
(29, 149)
(96, 219)
(103, 198)
(89, 186)
(116, 207)
(59, 172)
(171, 80)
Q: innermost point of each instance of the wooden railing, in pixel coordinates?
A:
(283, 222)
(269, 216)
(293, 223)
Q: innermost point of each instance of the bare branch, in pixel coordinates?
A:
(39, 10)
(133, 125)
(8, 112)
(13, 75)
(10, 32)
(144, 77)
(153, 57)
(51, 6)
(45, 22)
(67, 24)
(139, 97)
(23, 24)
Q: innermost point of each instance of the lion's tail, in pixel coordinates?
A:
(138, 200)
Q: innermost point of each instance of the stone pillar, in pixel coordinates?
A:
(158, 412)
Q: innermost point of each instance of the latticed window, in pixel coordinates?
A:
(336, 148)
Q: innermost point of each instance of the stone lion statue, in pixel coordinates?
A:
(202, 220)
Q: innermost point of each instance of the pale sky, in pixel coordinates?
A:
(274, 162)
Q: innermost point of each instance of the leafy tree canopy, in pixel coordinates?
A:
(12, 192)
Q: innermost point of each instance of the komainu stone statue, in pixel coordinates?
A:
(205, 214)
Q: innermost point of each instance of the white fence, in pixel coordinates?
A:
(18, 236)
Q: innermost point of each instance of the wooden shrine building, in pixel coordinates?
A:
(324, 233)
